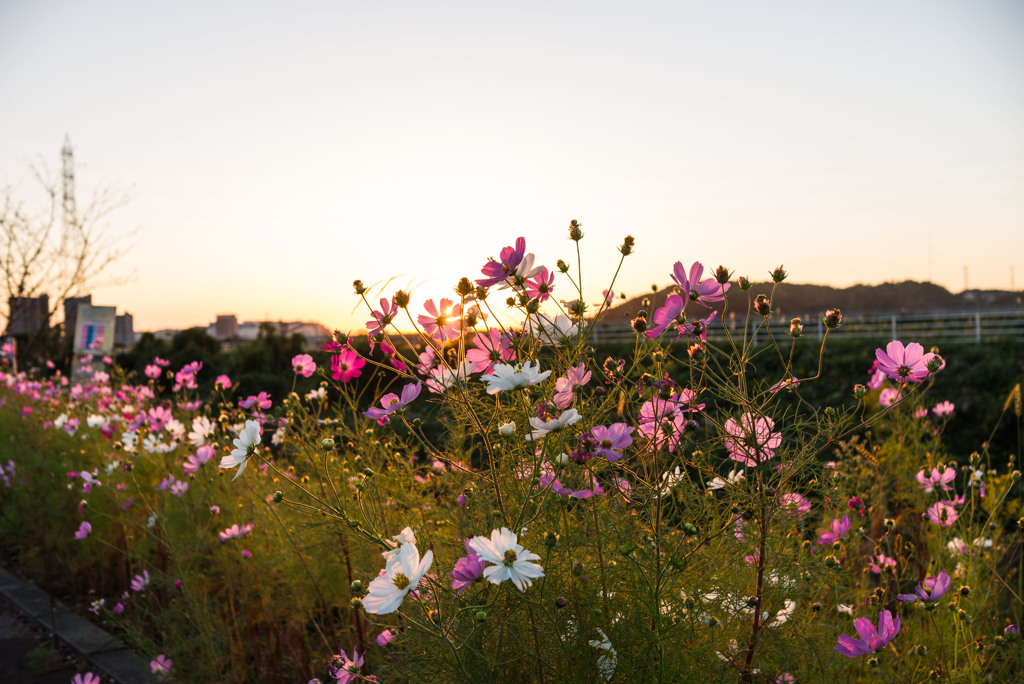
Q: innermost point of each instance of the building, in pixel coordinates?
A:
(28, 315)
(124, 330)
(71, 313)
(226, 327)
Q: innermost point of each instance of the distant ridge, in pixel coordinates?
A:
(908, 297)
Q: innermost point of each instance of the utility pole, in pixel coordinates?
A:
(67, 158)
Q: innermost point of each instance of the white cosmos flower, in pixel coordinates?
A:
(556, 331)
(511, 560)
(245, 446)
(402, 574)
(202, 430)
(606, 662)
(508, 377)
(733, 478)
(542, 428)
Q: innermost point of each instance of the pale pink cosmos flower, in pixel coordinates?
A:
(161, 666)
(442, 322)
(345, 669)
(391, 403)
(235, 532)
(611, 439)
(943, 409)
(260, 401)
(921, 412)
(223, 382)
(704, 292)
(665, 316)
(383, 318)
(904, 364)
(796, 503)
(751, 440)
(943, 513)
(385, 638)
(467, 570)
(871, 639)
(153, 371)
(881, 562)
(140, 582)
(929, 481)
(83, 530)
(567, 387)
(489, 349)
(203, 455)
(889, 397)
(303, 365)
(87, 678)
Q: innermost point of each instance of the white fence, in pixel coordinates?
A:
(968, 326)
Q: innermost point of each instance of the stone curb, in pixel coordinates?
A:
(105, 652)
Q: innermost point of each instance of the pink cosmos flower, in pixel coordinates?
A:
(921, 412)
(442, 323)
(203, 455)
(609, 297)
(751, 440)
(223, 382)
(567, 387)
(87, 678)
(236, 532)
(467, 570)
(904, 364)
(704, 292)
(83, 530)
(178, 488)
(871, 639)
(385, 638)
(837, 530)
(541, 286)
(152, 371)
(514, 267)
(140, 582)
(610, 438)
(345, 669)
(392, 403)
(889, 396)
(163, 363)
(929, 482)
(943, 513)
(881, 562)
(877, 378)
(489, 349)
(260, 401)
(666, 316)
(161, 667)
(303, 365)
(383, 318)
(797, 503)
(346, 365)
(931, 589)
(943, 409)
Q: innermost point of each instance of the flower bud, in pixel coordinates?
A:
(550, 540)
(1012, 632)
(722, 275)
(560, 602)
(357, 285)
(481, 616)
(511, 301)
(1015, 475)
(278, 496)
(761, 305)
(507, 429)
(833, 318)
(627, 246)
(577, 568)
(532, 306)
(645, 303)
(464, 287)
(689, 529)
(751, 601)
(327, 444)
(778, 275)
(934, 364)
(356, 586)
(562, 266)
(860, 391)
(401, 299)
(796, 329)
(744, 283)
(696, 351)
(356, 603)
(575, 230)
(626, 549)
(480, 293)
(965, 590)
(639, 324)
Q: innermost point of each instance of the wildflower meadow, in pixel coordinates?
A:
(479, 491)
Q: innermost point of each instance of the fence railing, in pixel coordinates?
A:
(967, 326)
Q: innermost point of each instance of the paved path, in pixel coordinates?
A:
(17, 640)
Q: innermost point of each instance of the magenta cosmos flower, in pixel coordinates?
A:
(467, 570)
(489, 349)
(346, 365)
(345, 669)
(442, 322)
(541, 286)
(931, 589)
(904, 364)
(871, 639)
(929, 482)
(943, 513)
(751, 440)
(837, 530)
(704, 292)
(303, 365)
(383, 318)
(514, 267)
(391, 403)
(566, 387)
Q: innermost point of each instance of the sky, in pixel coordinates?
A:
(275, 152)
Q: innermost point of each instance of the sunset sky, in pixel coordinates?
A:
(275, 152)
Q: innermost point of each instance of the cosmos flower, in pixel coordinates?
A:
(904, 364)
(510, 559)
(837, 530)
(392, 403)
(871, 639)
(303, 365)
(402, 573)
(245, 446)
(542, 428)
(931, 589)
(751, 440)
(505, 377)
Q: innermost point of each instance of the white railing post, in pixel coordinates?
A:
(977, 327)
(894, 327)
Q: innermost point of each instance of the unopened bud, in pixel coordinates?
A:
(965, 590)
(833, 318)
(532, 306)
(357, 285)
(401, 299)
(722, 275)
(935, 364)
(481, 616)
(627, 246)
(511, 301)
(645, 303)
(560, 602)
(796, 329)
(356, 603)
(860, 391)
(464, 288)
(639, 324)
(562, 266)
(761, 305)
(577, 568)
(327, 444)
(744, 283)
(575, 230)
(480, 292)
(278, 496)
(356, 586)
(779, 274)
(507, 430)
